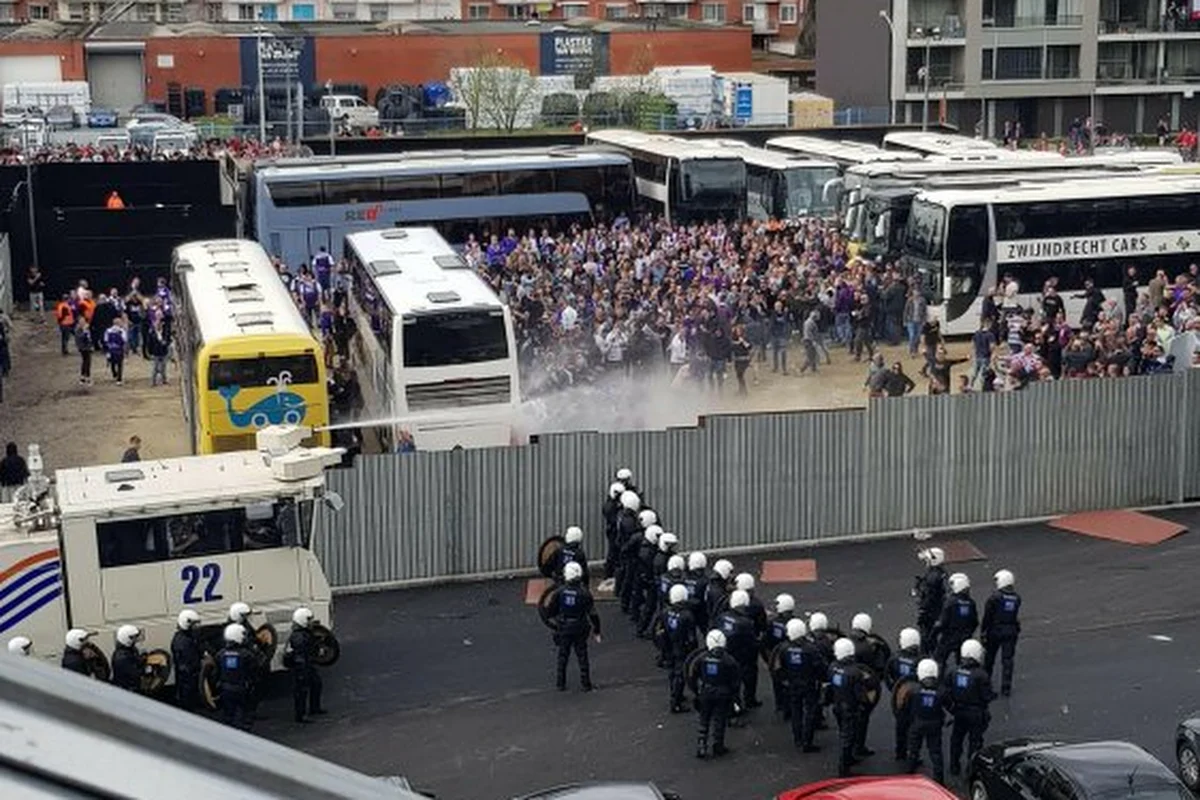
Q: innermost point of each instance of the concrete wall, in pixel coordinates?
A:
(852, 53)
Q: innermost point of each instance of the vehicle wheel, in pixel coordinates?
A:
(1189, 766)
(259, 420)
(979, 791)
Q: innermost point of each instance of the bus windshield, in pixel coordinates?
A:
(713, 180)
(276, 371)
(926, 232)
(806, 191)
(469, 337)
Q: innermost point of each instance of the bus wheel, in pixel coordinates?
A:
(259, 420)
(292, 417)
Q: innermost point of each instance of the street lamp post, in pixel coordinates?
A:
(887, 19)
(259, 30)
(928, 36)
(332, 130)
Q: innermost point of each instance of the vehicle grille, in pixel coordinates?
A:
(459, 393)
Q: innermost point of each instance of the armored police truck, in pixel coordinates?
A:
(136, 543)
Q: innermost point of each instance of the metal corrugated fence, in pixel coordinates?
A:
(763, 479)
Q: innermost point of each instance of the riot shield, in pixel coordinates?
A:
(97, 662)
(208, 681)
(548, 555)
(901, 693)
(266, 640)
(156, 669)
(543, 607)
(329, 650)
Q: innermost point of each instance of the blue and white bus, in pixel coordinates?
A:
(295, 207)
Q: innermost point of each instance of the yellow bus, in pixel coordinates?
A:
(247, 358)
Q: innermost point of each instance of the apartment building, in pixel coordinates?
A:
(1044, 63)
(167, 11)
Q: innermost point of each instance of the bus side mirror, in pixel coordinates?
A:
(832, 189)
(881, 224)
(333, 501)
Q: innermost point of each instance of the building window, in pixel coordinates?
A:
(573, 10)
(378, 12)
(516, 12)
(39, 12)
(245, 12)
(677, 11)
(174, 12)
(146, 12)
(303, 11)
(75, 11)
(616, 12)
(269, 13)
(712, 12)
(987, 72)
(1062, 62)
(479, 11)
(653, 11)
(344, 11)
(787, 14)
(748, 12)
(1018, 63)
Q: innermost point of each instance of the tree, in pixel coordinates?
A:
(559, 110)
(496, 91)
(806, 46)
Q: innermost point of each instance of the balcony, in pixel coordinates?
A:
(939, 83)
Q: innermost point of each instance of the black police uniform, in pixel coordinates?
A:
(679, 631)
(236, 665)
(957, 624)
(931, 596)
(262, 666)
(127, 668)
(970, 691)
(902, 668)
(823, 641)
(716, 596)
(655, 588)
(802, 669)
(714, 681)
(872, 654)
(696, 582)
(662, 600)
(758, 615)
(642, 586)
(775, 637)
(925, 711)
(568, 553)
(740, 642)
(186, 655)
(575, 610)
(74, 661)
(306, 682)
(610, 510)
(628, 535)
(1000, 630)
(849, 696)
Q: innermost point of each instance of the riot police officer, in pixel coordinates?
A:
(902, 669)
(609, 510)
(958, 620)
(236, 665)
(872, 655)
(126, 660)
(714, 682)
(642, 587)
(925, 711)
(756, 609)
(679, 634)
(572, 550)
(625, 477)
(627, 538)
(1000, 629)
(822, 638)
(930, 591)
(738, 628)
(671, 577)
(801, 669)
(696, 581)
(300, 657)
(239, 614)
(660, 583)
(20, 646)
(776, 635)
(72, 657)
(970, 692)
(716, 596)
(848, 695)
(186, 654)
(575, 610)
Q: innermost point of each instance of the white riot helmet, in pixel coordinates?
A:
(647, 517)
(187, 619)
(971, 650)
(697, 561)
(19, 646)
(796, 630)
(615, 490)
(910, 638)
(932, 556)
(959, 582)
(666, 541)
(927, 669)
(572, 572)
(652, 533)
(675, 563)
(678, 594)
(784, 603)
(234, 633)
(818, 622)
(630, 501)
(574, 535)
(302, 617)
(723, 568)
(624, 474)
(744, 581)
(76, 638)
(239, 611)
(843, 649)
(739, 599)
(715, 640)
(127, 635)
(861, 622)
(1004, 579)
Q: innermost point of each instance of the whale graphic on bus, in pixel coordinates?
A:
(280, 408)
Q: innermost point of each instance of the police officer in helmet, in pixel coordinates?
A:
(239, 614)
(72, 657)
(801, 669)
(187, 653)
(958, 620)
(902, 669)
(575, 610)
(925, 710)
(970, 692)
(627, 540)
(625, 477)
(930, 592)
(716, 595)
(236, 665)
(641, 607)
(20, 646)
(300, 657)
(126, 660)
(1000, 628)
(679, 633)
(672, 577)
(696, 581)
(609, 510)
(776, 635)
(572, 550)
(848, 694)
(714, 681)
(872, 654)
(737, 627)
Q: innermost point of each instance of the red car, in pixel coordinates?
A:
(871, 787)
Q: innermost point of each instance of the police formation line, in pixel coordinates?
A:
(232, 679)
(675, 601)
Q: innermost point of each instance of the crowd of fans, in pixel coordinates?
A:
(243, 149)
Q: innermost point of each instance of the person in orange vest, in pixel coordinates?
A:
(64, 312)
(114, 202)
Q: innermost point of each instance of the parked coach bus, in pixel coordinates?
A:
(247, 359)
(783, 185)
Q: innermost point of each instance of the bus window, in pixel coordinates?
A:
(587, 181)
(526, 181)
(358, 190)
(414, 187)
(435, 340)
(294, 193)
(477, 184)
(250, 372)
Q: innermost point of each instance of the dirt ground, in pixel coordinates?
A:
(77, 426)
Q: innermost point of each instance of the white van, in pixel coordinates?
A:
(350, 111)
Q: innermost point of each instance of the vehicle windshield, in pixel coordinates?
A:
(806, 191)
(462, 337)
(926, 231)
(713, 181)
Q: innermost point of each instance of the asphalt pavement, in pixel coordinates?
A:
(454, 687)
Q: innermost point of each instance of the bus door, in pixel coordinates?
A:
(317, 238)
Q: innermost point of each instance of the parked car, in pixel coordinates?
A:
(1024, 768)
(13, 115)
(62, 118)
(119, 141)
(1187, 751)
(602, 791)
(350, 111)
(871, 787)
(102, 118)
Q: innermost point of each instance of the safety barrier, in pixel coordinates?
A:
(744, 481)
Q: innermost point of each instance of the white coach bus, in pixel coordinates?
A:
(435, 346)
(962, 242)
